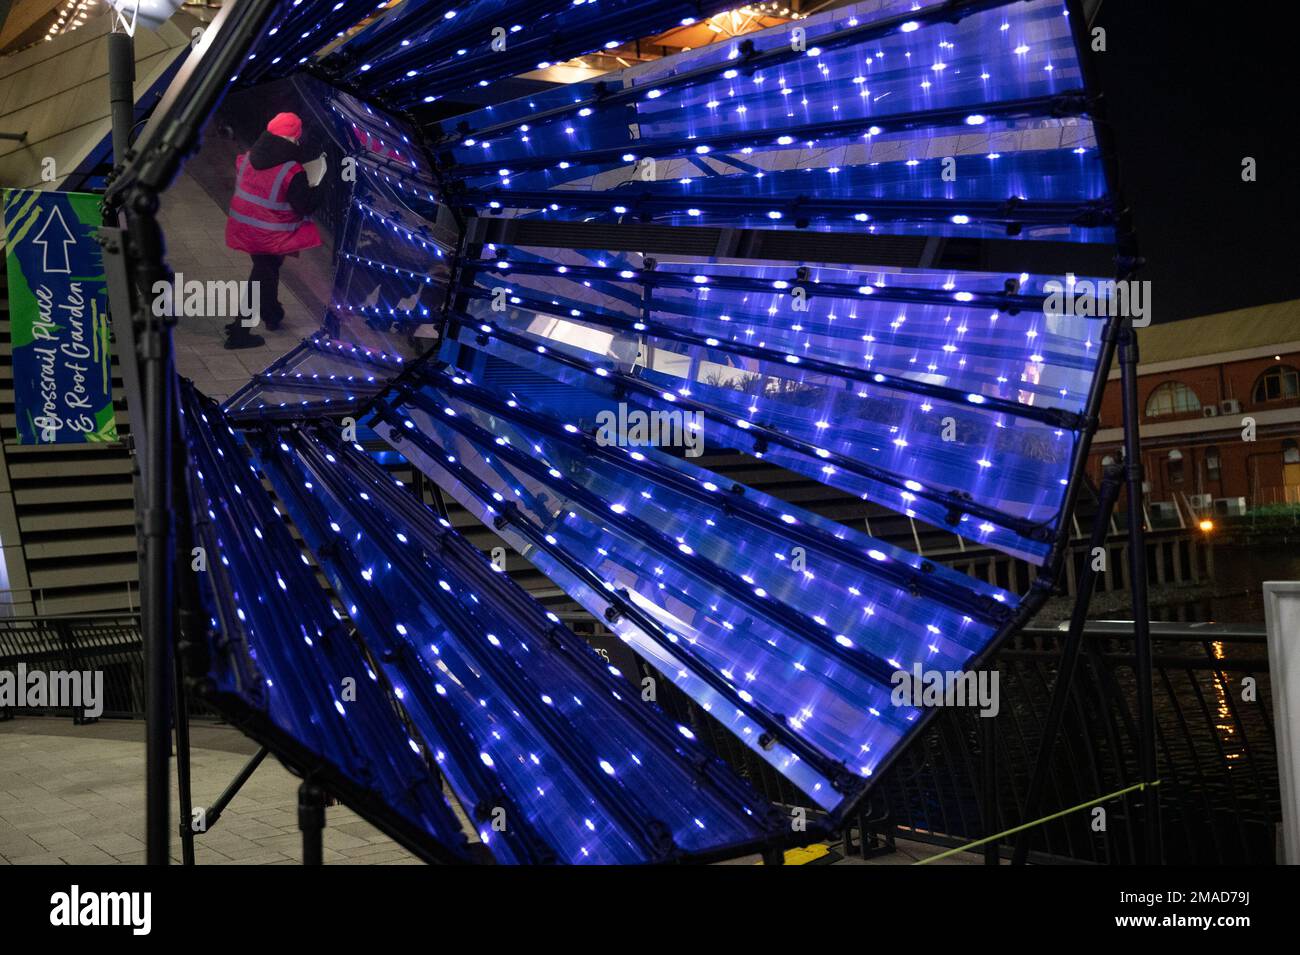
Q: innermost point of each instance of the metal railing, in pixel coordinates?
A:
(1217, 760)
(109, 643)
(37, 598)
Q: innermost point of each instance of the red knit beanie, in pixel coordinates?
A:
(287, 125)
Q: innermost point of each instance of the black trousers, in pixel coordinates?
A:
(266, 272)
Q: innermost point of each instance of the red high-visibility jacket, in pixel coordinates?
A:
(261, 220)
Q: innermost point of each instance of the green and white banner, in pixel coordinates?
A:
(58, 318)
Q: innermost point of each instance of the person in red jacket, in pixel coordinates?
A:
(268, 217)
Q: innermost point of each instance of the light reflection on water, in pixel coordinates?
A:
(1225, 723)
(1240, 572)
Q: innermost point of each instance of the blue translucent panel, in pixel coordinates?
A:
(869, 118)
(720, 55)
(1056, 194)
(393, 255)
(530, 726)
(936, 394)
(277, 667)
(296, 31)
(319, 370)
(392, 269)
(418, 35)
(458, 50)
(806, 620)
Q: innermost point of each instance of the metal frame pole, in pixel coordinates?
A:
(989, 804)
(1110, 484)
(311, 820)
(1150, 800)
(121, 91)
(219, 805)
(157, 519)
(158, 603)
(183, 789)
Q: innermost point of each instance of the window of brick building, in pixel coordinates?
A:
(1173, 397)
(1278, 383)
(1212, 464)
(1175, 467)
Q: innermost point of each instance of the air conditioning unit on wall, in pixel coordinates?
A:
(1230, 406)
(1209, 411)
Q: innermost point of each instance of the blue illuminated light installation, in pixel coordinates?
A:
(481, 344)
(524, 716)
(851, 137)
(281, 668)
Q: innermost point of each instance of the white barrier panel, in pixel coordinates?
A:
(1282, 617)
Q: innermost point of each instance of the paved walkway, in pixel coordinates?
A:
(74, 795)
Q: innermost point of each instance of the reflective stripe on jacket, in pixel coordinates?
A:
(261, 220)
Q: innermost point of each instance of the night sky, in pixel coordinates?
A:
(1191, 89)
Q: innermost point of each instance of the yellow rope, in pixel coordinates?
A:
(1036, 822)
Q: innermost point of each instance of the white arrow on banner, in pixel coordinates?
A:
(63, 243)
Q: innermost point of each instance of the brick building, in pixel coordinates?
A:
(1200, 383)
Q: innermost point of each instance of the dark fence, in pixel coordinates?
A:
(108, 644)
(1217, 762)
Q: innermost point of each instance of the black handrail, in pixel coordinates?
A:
(110, 643)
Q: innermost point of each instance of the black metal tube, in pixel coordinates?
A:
(1137, 549)
(989, 802)
(236, 784)
(311, 820)
(1069, 660)
(157, 591)
(121, 91)
(183, 790)
(157, 603)
(645, 201)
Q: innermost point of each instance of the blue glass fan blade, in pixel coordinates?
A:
(902, 387)
(281, 668)
(969, 127)
(813, 651)
(531, 728)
